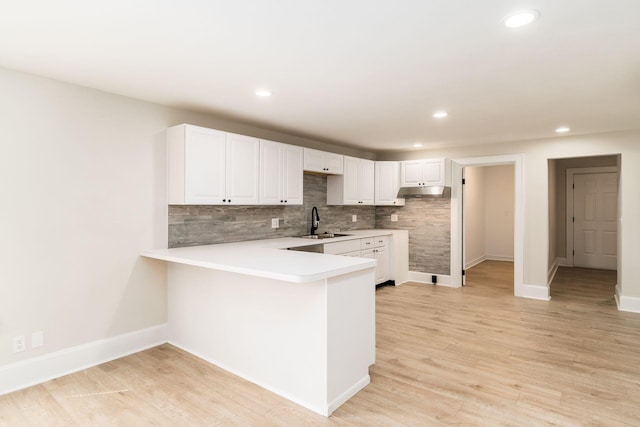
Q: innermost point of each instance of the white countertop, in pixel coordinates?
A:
(269, 258)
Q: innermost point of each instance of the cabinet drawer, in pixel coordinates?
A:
(356, 254)
(366, 243)
(342, 247)
(380, 241)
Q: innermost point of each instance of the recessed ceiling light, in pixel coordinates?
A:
(263, 93)
(440, 114)
(562, 129)
(417, 145)
(521, 18)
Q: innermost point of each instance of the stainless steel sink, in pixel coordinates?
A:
(323, 236)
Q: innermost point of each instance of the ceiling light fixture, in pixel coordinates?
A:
(417, 145)
(440, 114)
(520, 18)
(263, 93)
(562, 129)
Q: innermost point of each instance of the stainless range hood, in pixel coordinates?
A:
(432, 192)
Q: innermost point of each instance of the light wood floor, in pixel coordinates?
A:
(471, 356)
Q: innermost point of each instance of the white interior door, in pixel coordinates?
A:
(595, 199)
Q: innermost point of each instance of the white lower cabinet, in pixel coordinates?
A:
(370, 247)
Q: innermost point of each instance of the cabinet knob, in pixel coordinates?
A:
(285, 201)
(224, 200)
(229, 200)
(281, 201)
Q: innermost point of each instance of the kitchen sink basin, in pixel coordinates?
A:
(323, 236)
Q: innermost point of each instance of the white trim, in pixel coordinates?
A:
(552, 272)
(443, 280)
(474, 262)
(36, 370)
(457, 166)
(534, 292)
(563, 262)
(569, 202)
(498, 258)
(624, 303)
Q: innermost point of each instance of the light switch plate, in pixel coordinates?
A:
(354, 218)
(394, 218)
(275, 222)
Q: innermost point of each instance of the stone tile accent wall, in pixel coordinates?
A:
(201, 225)
(429, 224)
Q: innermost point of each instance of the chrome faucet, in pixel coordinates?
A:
(315, 220)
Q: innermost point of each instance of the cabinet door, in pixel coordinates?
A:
(292, 176)
(433, 172)
(243, 166)
(367, 182)
(411, 173)
(270, 173)
(382, 264)
(334, 163)
(314, 160)
(204, 166)
(351, 183)
(387, 184)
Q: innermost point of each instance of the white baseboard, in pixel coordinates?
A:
(533, 292)
(624, 303)
(443, 280)
(552, 272)
(36, 370)
(474, 262)
(564, 262)
(499, 258)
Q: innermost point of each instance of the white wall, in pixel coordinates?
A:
(82, 181)
(499, 211)
(474, 236)
(536, 191)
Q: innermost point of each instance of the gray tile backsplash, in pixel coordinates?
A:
(428, 222)
(201, 225)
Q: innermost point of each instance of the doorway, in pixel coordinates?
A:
(488, 217)
(519, 288)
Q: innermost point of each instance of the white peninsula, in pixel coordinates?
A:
(299, 324)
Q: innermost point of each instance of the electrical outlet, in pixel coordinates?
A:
(394, 218)
(354, 218)
(19, 344)
(275, 222)
(37, 339)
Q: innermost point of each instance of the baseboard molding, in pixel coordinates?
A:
(498, 258)
(624, 303)
(534, 292)
(552, 272)
(564, 262)
(443, 280)
(36, 370)
(474, 262)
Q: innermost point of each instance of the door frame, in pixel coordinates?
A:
(569, 203)
(457, 165)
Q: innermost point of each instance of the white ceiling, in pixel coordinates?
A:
(363, 73)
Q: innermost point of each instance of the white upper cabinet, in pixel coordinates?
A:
(356, 186)
(211, 167)
(323, 162)
(281, 174)
(387, 184)
(421, 173)
(243, 166)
